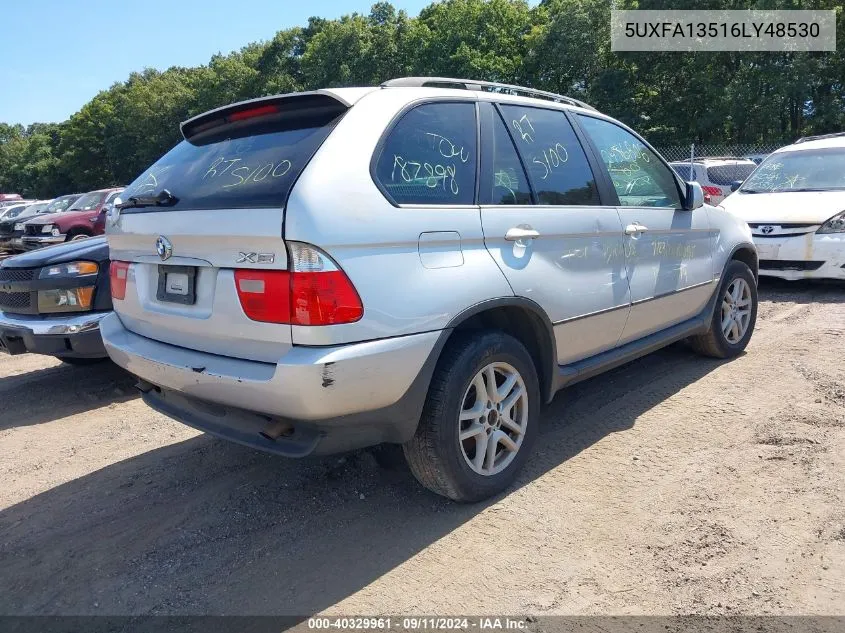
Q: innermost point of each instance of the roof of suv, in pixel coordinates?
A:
(422, 86)
(815, 142)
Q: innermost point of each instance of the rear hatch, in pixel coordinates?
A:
(213, 204)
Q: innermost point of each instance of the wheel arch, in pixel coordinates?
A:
(78, 229)
(747, 254)
(521, 318)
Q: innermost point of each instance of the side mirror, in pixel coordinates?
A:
(735, 185)
(695, 196)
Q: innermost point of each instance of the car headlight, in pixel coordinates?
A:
(47, 228)
(67, 300)
(19, 227)
(71, 269)
(836, 224)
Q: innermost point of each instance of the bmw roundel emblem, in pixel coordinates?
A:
(164, 248)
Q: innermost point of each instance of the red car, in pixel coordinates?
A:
(85, 218)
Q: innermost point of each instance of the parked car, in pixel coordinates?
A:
(11, 227)
(316, 272)
(795, 205)
(10, 197)
(79, 221)
(718, 177)
(51, 301)
(13, 210)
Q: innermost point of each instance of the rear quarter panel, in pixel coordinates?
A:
(413, 267)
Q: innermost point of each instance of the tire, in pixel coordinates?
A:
(716, 342)
(439, 460)
(81, 362)
(77, 236)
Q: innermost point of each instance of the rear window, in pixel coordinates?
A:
(242, 166)
(727, 174)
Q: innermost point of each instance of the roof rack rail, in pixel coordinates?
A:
(819, 137)
(488, 86)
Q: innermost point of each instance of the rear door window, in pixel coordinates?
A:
(248, 165)
(503, 180)
(553, 156)
(429, 157)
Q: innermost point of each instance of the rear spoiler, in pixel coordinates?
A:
(268, 109)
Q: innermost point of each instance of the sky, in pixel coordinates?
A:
(57, 54)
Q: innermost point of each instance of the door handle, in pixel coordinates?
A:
(635, 228)
(519, 233)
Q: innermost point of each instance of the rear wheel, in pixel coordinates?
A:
(734, 316)
(480, 419)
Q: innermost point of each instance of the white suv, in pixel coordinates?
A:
(718, 177)
(423, 263)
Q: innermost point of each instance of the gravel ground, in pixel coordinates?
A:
(675, 484)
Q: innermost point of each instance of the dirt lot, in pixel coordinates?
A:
(675, 484)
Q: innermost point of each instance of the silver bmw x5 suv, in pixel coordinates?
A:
(424, 263)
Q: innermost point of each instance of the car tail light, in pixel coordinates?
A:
(315, 291)
(713, 191)
(118, 271)
(264, 294)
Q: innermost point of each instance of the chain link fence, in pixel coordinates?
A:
(716, 167)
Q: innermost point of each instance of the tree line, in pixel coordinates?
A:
(558, 45)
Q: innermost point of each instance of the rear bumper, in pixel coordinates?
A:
(810, 256)
(65, 336)
(336, 398)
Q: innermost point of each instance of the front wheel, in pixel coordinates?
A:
(734, 316)
(480, 419)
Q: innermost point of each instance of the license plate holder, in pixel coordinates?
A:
(177, 284)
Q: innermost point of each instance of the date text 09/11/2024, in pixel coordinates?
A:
(417, 623)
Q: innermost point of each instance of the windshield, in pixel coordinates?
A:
(256, 168)
(60, 204)
(89, 201)
(799, 170)
(11, 212)
(35, 208)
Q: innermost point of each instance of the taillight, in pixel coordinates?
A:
(313, 292)
(118, 272)
(264, 294)
(713, 191)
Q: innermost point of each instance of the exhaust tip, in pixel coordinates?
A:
(276, 430)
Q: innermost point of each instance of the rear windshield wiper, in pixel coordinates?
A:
(162, 199)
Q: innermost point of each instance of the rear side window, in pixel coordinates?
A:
(556, 163)
(249, 164)
(429, 157)
(728, 174)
